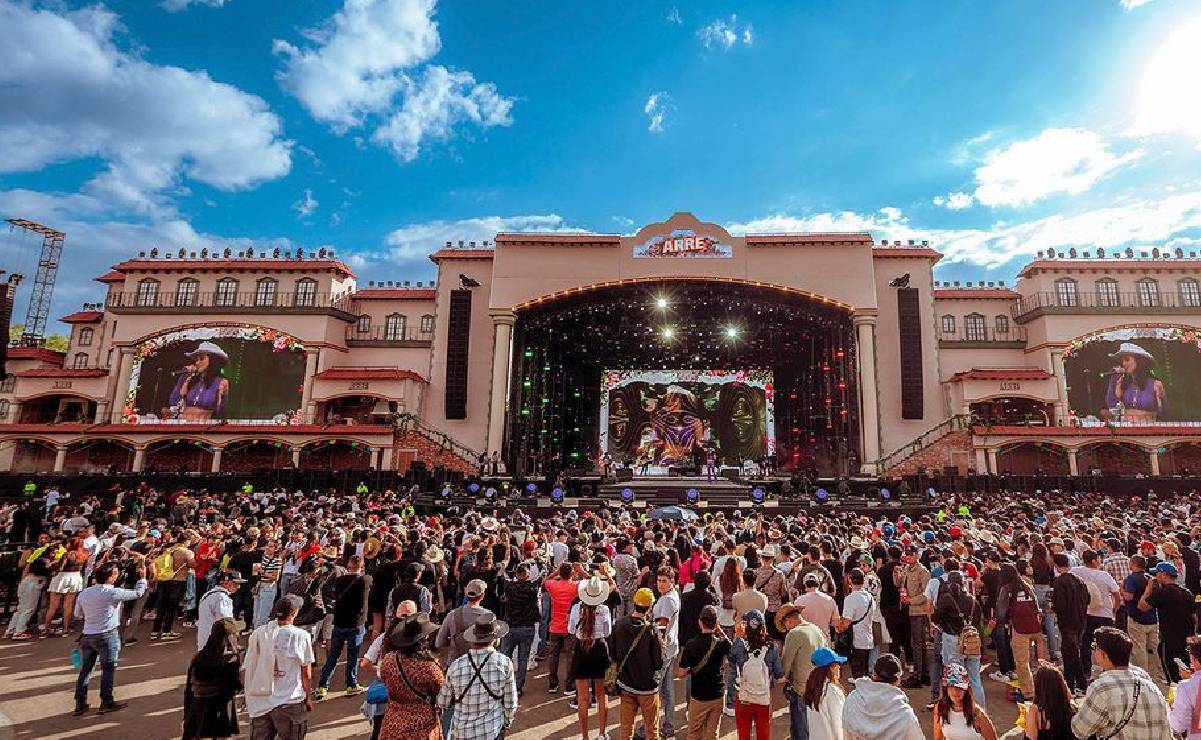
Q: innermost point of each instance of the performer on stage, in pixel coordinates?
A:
(1134, 393)
(201, 393)
(710, 463)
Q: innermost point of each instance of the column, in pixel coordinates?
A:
(385, 458)
(1073, 463)
(992, 461)
(1061, 387)
(982, 462)
(376, 454)
(124, 369)
(869, 412)
(60, 459)
(14, 412)
(216, 466)
(296, 457)
(310, 369)
(139, 459)
(1155, 462)
(502, 324)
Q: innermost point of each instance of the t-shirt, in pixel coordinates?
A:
(293, 648)
(707, 683)
(1135, 583)
(667, 607)
(799, 644)
(1175, 606)
(748, 599)
(562, 593)
(820, 609)
(856, 607)
(1098, 582)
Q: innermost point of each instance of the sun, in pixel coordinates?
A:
(1167, 100)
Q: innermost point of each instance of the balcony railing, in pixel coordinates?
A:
(970, 336)
(381, 336)
(1036, 304)
(232, 302)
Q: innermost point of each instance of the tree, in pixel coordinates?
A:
(56, 342)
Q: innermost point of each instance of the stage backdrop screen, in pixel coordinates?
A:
(1135, 376)
(204, 375)
(669, 416)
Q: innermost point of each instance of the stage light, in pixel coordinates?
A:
(660, 302)
(556, 495)
(490, 493)
(693, 495)
(731, 332)
(885, 494)
(668, 332)
(473, 488)
(822, 495)
(627, 495)
(446, 492)
(532, 488)
(931, 493)
(758, 495)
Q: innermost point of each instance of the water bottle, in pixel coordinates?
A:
(76, 659)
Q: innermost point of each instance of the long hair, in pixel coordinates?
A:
(222, 641)
(1138, 378)
(943, 707)
(815, 685)
(1053, 700)
(756, 637)
(587, 625)
(730, 578)
(1040, 562)
(216, 365)
(1012, 578)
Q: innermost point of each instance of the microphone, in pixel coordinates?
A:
(185, 370)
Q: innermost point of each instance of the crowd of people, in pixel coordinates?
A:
(1082, 607)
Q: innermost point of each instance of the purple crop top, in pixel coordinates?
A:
(200, 395)
(1142, 399)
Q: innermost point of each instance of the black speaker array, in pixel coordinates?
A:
(909, 317)
(6, 315)
(458, 338)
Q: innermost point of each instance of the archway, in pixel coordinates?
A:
(251, 455)
(33, 456)
(179, 455)
(57, 408)
(656, 369)
(1113, 458)
(1033, 458)
(355, 409)
(100, 455)
(1181, 458)
(1012, 411)
(335, 455)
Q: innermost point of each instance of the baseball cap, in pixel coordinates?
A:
(644, 598)
(475, 587)
(824, 656)
(230, 576)
(753, 619)
(955, 675)
(1167, 569)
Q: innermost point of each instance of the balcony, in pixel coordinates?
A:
(1030, 307)
(338, 305)
(382, 336)
(982, 337)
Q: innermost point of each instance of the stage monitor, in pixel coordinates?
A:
(665, 418)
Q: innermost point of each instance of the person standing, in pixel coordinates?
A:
(877, 708)
(590, 624)
(801, 639)
(279, 675)
(1142, 624)
(638, 650)
(1069, 601)
(755, 661)
(1183, 717)
(481, 685)
(857, 610)
(213, 681)
(520, 601)
(99, 606)
(701, 661)
(1122, 703)
(1103, 600)
(562, 591)
(350, 617)
(1174, 605)
(216, 604)
(35, 564)
(414, 679)
(171, 569)
(824, 699)
(666, 615)
(266, 591)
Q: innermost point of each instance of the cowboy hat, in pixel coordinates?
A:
(433, 554)
(784, 612)
(331, 551)
(486, 629)
(489, 524)
(858, 543)
(208, 348)
(412, 630)
(1130, 348)
(593, 591)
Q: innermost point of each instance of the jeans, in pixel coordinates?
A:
(919, 627)
(521, 638)
(544, 627)
(731, 687)
(1071, 639)
(264, 599)
(951, 654)
(352, 638)
(105, 647)
(558, 645)
(29, 594)
(1042, 596)
(1001, 641)
(936, 665)
(798, 716)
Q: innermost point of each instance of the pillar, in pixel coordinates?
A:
(385, 458)
(139, 459)
(1061, 387)
(306, 397)
(60, 459)
(1073, 463)
(982, 462)
(121, 389)
(992, 461)
(1155, 462)
(216, 466)
(296, 457)
(14, 412)
(376, 454)
(502, 324)
(869, 412)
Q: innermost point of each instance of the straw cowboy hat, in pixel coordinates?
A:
(1130, 348)
(489, 524)
(593, 591)
(209, 348)
(784, 612)
(433, 554)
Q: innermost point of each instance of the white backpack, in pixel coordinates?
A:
(754, 681)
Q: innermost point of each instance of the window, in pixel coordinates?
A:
(264, 292)
(1002, 324)
(1065, 292)
(185, 293)
(1148, 292)
(4, 407)
(306, 292)
(427, 322)
(227, 292)
(1190, 295)
(948, 324)
(147, 293)
(8, 384)
(364, 324)
(87, 332)
(81, 360)
(1107, 293)
(973, 328)
(394, 329)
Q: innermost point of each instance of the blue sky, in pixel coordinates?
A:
(381, 128)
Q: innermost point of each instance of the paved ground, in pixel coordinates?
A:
(36, 681)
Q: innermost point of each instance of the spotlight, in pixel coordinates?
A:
(885, 494)
(490, 493)
(627, 495)
(822, 495)
(693, 495)
(669, 332)
(731, 332)
(473, 488)
(660, 302)
(532, 489)
(931, 493)
(446, 492)
(758, 495)
(556, 494)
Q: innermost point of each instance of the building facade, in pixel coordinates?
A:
(830, 352)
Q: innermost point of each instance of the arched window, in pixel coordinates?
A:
(264, 292)
(81, 360)
(1148, 292)
(973, 328)
(1107, 293)
(8, 384)
(364, 325)
(394, 328)
(1002, 325)
(147, 293)
(227, 292)
(948, 324)
(306, 292)
(4, 407)
(427, 324)
(1190, 295)
(1065, 292)
(85, 336)
(186, 291)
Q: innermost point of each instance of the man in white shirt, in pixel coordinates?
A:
(283, 712)
(666, 615)
(857, 610)
(216, 604)
(1103, 598)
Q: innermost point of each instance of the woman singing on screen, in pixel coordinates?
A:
(1134, 394)
(201, 392)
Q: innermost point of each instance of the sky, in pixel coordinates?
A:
(382, 128)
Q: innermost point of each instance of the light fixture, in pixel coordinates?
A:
(669, 332)
(627, 495)
(731, 332)
(660, 303)
(758, 495)
(556, 495)
(473, 488)
(446, 492)
(693, 495)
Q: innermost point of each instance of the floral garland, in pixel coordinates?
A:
(1183, 334)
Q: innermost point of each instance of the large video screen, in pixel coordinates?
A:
(210, 374)
(1135, 376)
(670, 418)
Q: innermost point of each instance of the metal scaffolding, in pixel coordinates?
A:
(43, 283)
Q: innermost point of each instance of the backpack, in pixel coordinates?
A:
(1024, 613)
(164, 564)
(754, 680)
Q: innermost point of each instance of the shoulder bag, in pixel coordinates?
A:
(614, 670)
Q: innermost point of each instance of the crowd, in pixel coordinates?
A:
(1082, 606)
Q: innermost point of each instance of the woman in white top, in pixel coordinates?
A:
(956, 716)
(727, 580)
(824, 697)
(589, 621)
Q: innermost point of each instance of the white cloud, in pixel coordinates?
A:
(1132, 4)
(415, 241)
(1057, 160)
(307, 205)
(174, 6)
(954, 201)
(1167, 100)
(68, 92)
(658, 108)
(363, 67)
(673, 16)
(725, 34)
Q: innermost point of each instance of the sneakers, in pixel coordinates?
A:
(114, 707)
(728, 711)
(81, 710)
(573, 703)
(354, 690)
(320, 693)
(170, 635)
(131, 641)
(155, 635)
(998, 676)
(569, 691)
(553, 690)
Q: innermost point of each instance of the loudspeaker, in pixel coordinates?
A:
(458, 339)
(624, 475)
(909, 321)
(6, 315)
